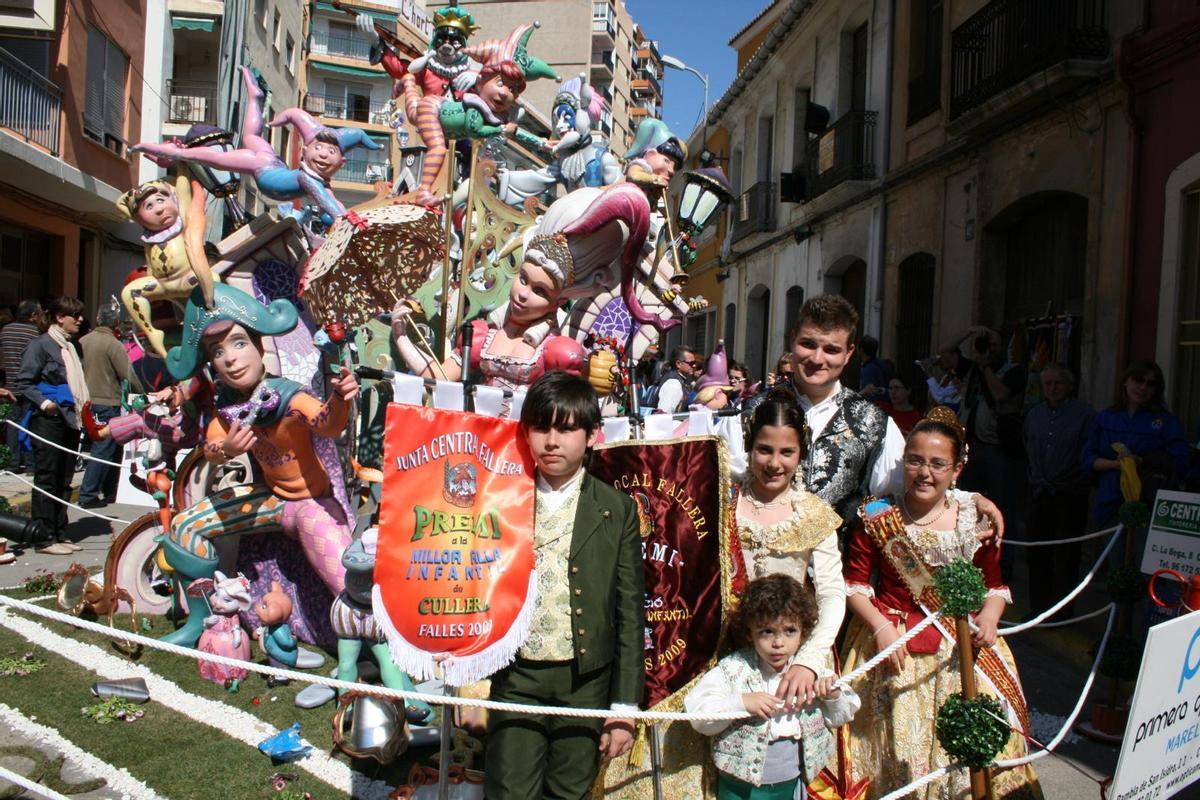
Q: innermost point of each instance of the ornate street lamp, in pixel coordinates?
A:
(705, 192)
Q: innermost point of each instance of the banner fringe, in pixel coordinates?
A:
(457, 670)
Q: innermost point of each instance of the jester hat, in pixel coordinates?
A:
(716, 371)
(229, 305)
(652, 134)
(513, 47)
(308, 128)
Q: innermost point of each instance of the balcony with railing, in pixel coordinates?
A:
(355, 108)
(844, 152)
(1008, 41)
(330, 44)
(30, 105)
(754, 210)
(364, 171)
(644, 85)
(604, 26)
(189, 102)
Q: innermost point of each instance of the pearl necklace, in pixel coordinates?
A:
(928, 523)
(759, 505)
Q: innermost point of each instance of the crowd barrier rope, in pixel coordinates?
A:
(1072, 540)
(66, 503)
(1071, 595)
(56, 445)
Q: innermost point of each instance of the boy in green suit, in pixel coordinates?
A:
(585, 645)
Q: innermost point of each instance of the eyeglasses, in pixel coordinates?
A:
(691, 363)
(937, 466)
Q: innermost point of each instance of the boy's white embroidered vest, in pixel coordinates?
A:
(741, 749)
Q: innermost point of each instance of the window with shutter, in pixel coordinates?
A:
(93, 109)
(104, 99)
(114, 98)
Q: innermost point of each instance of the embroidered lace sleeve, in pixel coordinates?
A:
(862, 561)
(831, 604)
(713, 694)
(986, 558)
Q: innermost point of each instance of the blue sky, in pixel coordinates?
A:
(696, 32)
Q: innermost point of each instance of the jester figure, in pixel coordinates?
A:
(581, 155)
(173, 226)
(274, 420)
(323, 154)
(450, 96)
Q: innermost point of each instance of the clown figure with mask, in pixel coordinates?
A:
(274, 420)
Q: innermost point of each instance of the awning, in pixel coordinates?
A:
(344, 70)
(382, 16)
(192, 24)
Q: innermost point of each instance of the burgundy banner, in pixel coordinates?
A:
(682, 491)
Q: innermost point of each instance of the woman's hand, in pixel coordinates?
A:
(762, 704)
(798, 687)
(400, 316)
(986, 508)
(987, 623)
(827, 688)
(883, 638)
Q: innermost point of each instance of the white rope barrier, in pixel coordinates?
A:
(36, 788)
(1070, 722)
(1054, 609)
(1062, 623)
(67, 503)
(79, 453)
(879, 657)
(396, 694)
(921, 782)
(1052, 542)
(1009, 763)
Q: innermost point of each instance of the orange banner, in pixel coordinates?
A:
(454, 572)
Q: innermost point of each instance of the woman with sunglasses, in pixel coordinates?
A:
(896, 548)
(52, 385)
(1151, 435)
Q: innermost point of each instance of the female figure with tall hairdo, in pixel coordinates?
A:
(895, 549)
(570, 253)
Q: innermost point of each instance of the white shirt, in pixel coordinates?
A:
(886, 475)
(670, 395)
(714, 695)
(554, 498)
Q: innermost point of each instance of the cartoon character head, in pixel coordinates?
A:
(201, 325)
(577, 106)
(230, 595)
(275, 607)
(658, 147)
(153, 205)
(500, 84)
(236, 356)
(323, 154)
(452, 26)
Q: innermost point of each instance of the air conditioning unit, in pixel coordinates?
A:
(189, 109)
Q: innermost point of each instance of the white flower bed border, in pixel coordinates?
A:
(118, 779)
(231, 721)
